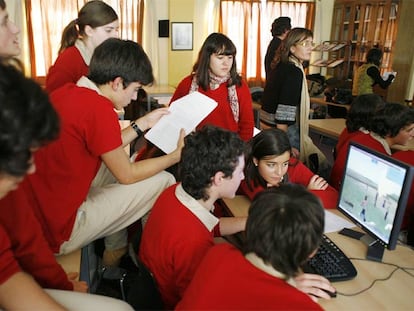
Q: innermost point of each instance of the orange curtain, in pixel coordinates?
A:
(47, 19)
(248, 23)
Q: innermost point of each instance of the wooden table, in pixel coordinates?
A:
(333, 127)
(391, 294)
(158, 91)
(321, 101)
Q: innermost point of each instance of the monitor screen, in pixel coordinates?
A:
(374, 192)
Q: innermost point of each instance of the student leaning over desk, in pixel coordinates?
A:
(270, 164)
(261, 275)
(391, 125)
(358, 120)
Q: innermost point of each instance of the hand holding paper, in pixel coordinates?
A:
(185, 113)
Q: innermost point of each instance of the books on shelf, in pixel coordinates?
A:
(327, 46)
(327, 62)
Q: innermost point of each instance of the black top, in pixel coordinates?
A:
(282, 93)
(270, 53)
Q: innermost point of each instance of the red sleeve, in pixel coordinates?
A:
(68, 67)
(8, 264)
(182, 89)
(246, 120)
(301, 174)
(244, 189)
(28, 243)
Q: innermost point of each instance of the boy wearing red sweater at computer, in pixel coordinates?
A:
(261, 276)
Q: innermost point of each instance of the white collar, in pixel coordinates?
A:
(261, 265)
(207, 218)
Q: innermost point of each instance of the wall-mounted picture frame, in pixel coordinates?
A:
(181, 36)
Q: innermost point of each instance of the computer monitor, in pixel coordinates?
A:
(374, 192)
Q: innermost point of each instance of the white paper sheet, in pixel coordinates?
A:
(334, 223)
(186, 112)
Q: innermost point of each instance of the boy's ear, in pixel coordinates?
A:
(218, 178)
(117, 83)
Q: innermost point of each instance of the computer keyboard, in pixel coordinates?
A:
(331, 262)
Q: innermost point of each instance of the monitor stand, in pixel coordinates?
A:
(375, 248)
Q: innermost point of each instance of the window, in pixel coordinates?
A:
(248, 25)
(48, 18)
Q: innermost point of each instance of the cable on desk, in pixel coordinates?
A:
(405, 269)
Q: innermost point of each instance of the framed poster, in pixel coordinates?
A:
(182, 36)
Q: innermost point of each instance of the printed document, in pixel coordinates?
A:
(185, 113)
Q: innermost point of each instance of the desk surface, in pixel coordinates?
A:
(392, 294)
(333, 127)
(321, 101)
(158, 89)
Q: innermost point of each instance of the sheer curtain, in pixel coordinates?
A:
(248, 25)
(48, 18)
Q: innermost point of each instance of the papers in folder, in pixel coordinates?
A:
(186, 112)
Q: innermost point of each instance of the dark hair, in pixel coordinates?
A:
(294, 36)
(94, 13)
(206, 152)
(27, 120)
(280, 25)
(222, 45)
(270, 142)
(374, 56)
(120, 58)
(389, 120)
(284, 226)
(2, 4)
(362, 109)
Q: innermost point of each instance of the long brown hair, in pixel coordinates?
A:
(294, 36)
(94, 13)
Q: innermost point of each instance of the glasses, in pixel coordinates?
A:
(306, 44)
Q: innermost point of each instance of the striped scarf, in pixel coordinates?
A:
(215, 82)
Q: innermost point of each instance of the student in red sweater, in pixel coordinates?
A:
(362, 110)
(179, 230)
(75, 202)
(261, 277)
(27, 121)
(96, 22)
(215, 75)
(408, 221)
(391, 125)
(269, 164)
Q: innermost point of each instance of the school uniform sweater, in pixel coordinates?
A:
(175, 240)
(27, 249)
(222, 116)
(298, 173)
(226, 280)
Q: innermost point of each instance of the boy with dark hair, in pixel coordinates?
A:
(280, 28)
(284, 228)
(179, 230)
(76, 203)
(27, 122)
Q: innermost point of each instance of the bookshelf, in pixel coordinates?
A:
(332, 58)
(365, 24)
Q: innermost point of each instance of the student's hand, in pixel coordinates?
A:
(180, 145)
(149, 120)
(78, 286)
(314, 285)
(317, 183)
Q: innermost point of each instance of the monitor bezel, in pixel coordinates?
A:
(402, 202)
